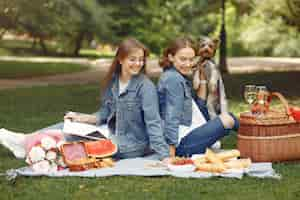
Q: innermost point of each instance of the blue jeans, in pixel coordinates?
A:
(202, 137)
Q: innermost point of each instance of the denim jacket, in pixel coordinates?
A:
(134, 116)
(175, 101)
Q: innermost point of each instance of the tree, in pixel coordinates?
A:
(156, 22)
(8, 16)
(294, 11)
(271, 30)
(86, 19)
(223, 63)
(68, 22)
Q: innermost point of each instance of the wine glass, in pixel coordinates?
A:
(262, 93)
(250, 92)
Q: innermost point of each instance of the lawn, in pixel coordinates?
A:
(24, 48)
(16, 69)
(29, 109)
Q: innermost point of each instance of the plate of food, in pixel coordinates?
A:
(179, 164)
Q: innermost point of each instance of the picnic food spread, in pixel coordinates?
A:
(85, 155)
(48, 155)
(220, 162)
(210, 162)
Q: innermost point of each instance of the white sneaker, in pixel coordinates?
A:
(14, 142)
(217, 145)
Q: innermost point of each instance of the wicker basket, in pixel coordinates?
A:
(76, 157)
(270, 137)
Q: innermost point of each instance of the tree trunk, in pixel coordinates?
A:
(223, 62)
(294, 9)
(43, 45)
(2, 32)
(33, 44)
(78, 43)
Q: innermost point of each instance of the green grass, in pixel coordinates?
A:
(16, 69)
(93, 53)
(33, 108)
(24, 48)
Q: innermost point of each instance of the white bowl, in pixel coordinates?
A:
(196, 156)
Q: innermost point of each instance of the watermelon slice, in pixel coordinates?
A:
(100, 148)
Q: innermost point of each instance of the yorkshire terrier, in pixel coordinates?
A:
(216, 97)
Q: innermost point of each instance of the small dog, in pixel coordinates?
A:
(216, 97)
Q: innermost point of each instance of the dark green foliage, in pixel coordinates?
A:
(254, 28)
(67, 23)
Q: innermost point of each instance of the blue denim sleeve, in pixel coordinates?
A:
(174, 108)
(103, 111)
(201, 103)
(153, 120)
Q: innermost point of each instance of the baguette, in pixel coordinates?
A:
(212, 157)
(210, 167)
(238, 164)
(226, 155)
(200, 160)
(108, 162)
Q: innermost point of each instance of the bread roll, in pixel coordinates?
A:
(238, 164)
(211, 167)
(212, 157)
(226, 155)
(200, 160)
(108, 162)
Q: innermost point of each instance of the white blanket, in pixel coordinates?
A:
(144, 167)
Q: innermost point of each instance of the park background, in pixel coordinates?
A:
(54, 54)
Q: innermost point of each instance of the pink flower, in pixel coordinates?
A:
(51, 155)
(48, 143)
(35, 139)
(36, 154)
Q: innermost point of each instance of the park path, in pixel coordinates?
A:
(99, 67)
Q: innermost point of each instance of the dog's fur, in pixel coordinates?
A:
(216, 97)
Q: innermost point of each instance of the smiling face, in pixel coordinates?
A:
(132, 63)
(183, 60)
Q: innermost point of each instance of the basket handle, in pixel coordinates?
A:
(282, 100)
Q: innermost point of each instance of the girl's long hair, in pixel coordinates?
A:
(174, 46)
(124, 49)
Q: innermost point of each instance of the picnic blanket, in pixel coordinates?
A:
(146, 167)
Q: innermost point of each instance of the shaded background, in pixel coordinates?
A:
(64, 27)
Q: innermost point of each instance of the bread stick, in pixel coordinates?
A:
(200, 160)
(238, 164)
(226, 155)
(212, 157)
(211, 167)
(108, 162)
